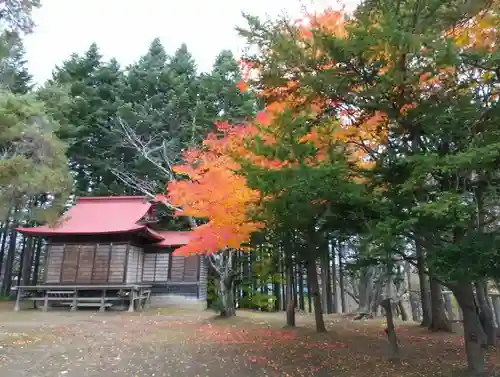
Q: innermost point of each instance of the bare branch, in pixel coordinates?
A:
(162, 164)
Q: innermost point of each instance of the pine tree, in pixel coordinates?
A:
(15, 16)
(222, 98)
(95, 90)
(34, 161)
(14, 75)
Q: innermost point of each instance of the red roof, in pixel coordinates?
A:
(98, 215)
(108, 215)
(173, 238)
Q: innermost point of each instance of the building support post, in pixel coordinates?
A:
(17, 307)
(74, 305)
(132, 300)
(46, 300)
(103, 301)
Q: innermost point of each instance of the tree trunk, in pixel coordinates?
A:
(424, 285)
(5, 235)
(225, 291)
(38, 254)
(390, 330)
(486, 314)
(22, 261)
(439, 322)
(411, 296)
(402, 311)
(9, 263)
(369, 293)
(290, 302)
(222, 264)
(334, 281)
(300, 277)
(312, 279)
(328, 291)
(283, 284)
(341, 279)
(474, 334)
(290, 283)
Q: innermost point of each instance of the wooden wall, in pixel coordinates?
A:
(80, 263)
(134, 264)
(86, 263)
(163, 266)
(155, 267)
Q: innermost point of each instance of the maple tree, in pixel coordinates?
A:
(215, 191)
(212, 191)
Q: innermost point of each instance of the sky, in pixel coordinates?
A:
(124, 28)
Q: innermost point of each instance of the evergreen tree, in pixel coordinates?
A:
(15, 16)
(222, 98)
(33, 161)
(14, 75)
(95, 91)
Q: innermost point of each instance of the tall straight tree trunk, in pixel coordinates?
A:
(312, 279)
(27, 261)
(5, 235)
(290, 283)
(439, 322)
(341, 279)
(21, 260)
(328, 283)
(424, 285)
(36, 270)
(300, 277)
(309, 295)
(9, 263)
(334, 278)
(411, 295)
(284, 277)
(276, 284)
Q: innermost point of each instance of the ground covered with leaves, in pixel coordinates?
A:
(180, 343)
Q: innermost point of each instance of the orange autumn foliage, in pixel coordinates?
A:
(214, 191)
(481, 32)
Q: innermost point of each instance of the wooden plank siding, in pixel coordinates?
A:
(55, 254)
(155, 267)
(134, 264)
(140, 266)
(177, 268)
(173, 277)
(117, 263)
(191, 264)
(101, 263)
(85, 263)
(161, 267)
(148, 271)
(70, 263)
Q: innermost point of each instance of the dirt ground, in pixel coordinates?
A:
(172, 343)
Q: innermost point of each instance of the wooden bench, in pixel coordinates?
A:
(136, 294)
(93, 304)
